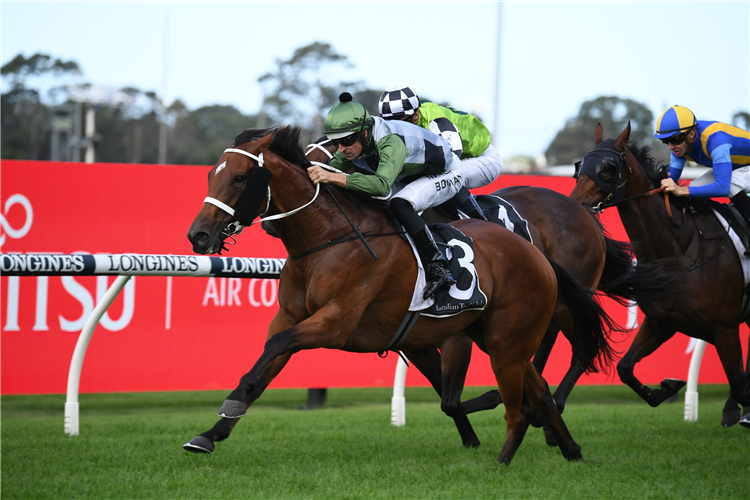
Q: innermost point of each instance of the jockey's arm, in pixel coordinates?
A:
(391, 152)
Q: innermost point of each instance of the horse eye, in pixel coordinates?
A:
(238, 179)
(606, 169)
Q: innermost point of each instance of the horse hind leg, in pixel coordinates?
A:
(541, 399)
(510, 382)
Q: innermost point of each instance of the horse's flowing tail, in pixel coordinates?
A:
(647, 282)
(617, 265)
(592, 324)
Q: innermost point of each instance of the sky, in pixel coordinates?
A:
(552, 56)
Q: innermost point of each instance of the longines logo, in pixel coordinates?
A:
(16, 199)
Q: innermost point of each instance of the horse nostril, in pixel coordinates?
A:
(199, 240)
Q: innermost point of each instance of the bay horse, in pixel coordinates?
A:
(708, 303)
(564, 231)
(337, 296)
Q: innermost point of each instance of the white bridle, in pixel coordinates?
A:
(237, 227)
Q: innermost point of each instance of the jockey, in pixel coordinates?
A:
(394, 149)
(469, 137)
(724, 148)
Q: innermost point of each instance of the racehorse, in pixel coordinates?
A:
(707, 304)
(337, 296)
(564, 231)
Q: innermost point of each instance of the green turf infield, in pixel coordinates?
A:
(130, 446)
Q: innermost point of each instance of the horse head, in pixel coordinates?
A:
(602, 176)
(237, 186)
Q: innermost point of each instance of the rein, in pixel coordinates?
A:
(356, 230)
(622, 155)
(235, 227)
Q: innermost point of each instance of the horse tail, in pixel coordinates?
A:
(591, 324)
(617, 265)
(648, 281)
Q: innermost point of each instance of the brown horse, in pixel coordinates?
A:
(708, 303)
(567, 233)
(337, 296)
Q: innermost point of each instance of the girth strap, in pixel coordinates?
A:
(402, 332)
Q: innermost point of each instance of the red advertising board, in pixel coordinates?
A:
(183, 333)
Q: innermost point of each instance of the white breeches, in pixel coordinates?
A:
(432, 190)
(483, 169)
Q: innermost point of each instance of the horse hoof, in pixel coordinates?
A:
(232, 409)
(199, 444)
(745, 420)
(673, 384)
(730, 417)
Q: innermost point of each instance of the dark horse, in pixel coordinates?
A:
(339, 297)
(567, 233)
(707, 304)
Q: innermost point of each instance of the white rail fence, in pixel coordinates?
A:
(124, 266)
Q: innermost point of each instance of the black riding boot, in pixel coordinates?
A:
(742, 203)
(468, 204)
(438, 274)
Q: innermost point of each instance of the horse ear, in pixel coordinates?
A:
(598, 134)
(264, 142)
(624, 138)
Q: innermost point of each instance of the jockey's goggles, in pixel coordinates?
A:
(676, 139)
(347, 141)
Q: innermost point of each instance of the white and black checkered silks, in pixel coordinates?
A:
(448, 131)
(422, 147)
(397, 103)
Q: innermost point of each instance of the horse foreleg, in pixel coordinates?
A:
(541, 399)
(204, 443)
(650, 337)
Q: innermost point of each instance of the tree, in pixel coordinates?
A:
(302, 90)
(25, 117)
(200, 137)
(576, 138)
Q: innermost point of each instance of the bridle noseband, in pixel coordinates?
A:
(612, 190)
(236, 226)
(616, 194)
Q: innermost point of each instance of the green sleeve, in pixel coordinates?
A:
(391, 151)
(339, 162)
(474, 134)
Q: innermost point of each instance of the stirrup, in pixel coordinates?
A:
(442, 277)
(478, 213)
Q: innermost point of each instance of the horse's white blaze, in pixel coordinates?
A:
(220, 168)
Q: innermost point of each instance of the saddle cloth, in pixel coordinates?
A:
(500, 211)
(738, 243)
(466, 294)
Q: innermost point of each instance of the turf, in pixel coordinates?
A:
(130, 447)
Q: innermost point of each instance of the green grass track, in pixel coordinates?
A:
(130, 447)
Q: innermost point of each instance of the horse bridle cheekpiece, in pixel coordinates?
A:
(591, 165)
(257, 187)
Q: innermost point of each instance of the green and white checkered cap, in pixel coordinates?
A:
(346, 118)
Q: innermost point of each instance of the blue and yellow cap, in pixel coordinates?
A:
(674, 120)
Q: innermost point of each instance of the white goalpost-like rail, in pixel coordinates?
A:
(125, 266)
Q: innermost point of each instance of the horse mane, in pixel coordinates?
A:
(285, 143)
(655, 170)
